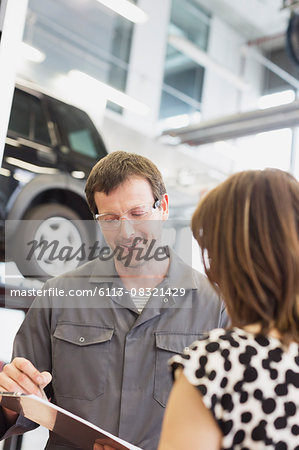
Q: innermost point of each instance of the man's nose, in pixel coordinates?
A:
(126, 228)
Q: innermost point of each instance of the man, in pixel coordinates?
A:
(108, 354)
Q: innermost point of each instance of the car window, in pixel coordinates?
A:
(40, 127)
(81, 141)
(79, 131)
(20, 114)
(27, 118)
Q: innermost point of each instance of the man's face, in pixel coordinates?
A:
(132, 235)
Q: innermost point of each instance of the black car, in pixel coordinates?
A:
(50, 149)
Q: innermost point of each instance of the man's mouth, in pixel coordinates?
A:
(128, 246)
(131, 245)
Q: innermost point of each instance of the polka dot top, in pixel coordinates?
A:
(251, 385)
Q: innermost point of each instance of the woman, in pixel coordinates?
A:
(239, 389)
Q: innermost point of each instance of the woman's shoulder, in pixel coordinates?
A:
(218, 339)
(237, 338)
(213, 348)
(234, 349)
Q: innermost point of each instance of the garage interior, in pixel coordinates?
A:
(204, 88)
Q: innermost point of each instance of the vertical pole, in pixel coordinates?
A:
(294, 158)
(13, 16)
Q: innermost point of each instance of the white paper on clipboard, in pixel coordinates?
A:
(67, 425)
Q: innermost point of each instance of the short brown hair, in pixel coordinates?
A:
(248, 231)
(116, 168)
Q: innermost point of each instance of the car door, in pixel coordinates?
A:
(82, 145)
(29, 146)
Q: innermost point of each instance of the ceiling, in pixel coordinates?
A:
(253, 19)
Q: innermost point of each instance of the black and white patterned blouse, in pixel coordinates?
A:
(251, 385)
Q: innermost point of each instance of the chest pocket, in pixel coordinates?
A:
(80, 360)
(168, 345)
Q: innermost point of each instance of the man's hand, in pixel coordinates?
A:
(21, 376)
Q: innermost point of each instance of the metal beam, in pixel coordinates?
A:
(279, 71)
(203, 59)
(238, 125)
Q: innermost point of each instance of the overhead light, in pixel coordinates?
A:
(82, 81)
(126, 9)
(276, 99)
(202, 58)
(179, 121)
(32, 53)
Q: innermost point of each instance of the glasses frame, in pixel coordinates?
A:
(117, 223)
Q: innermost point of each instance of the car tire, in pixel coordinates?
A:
(49, 240)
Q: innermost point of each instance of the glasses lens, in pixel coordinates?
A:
(138, 213)
(135, 215)
(108, 221)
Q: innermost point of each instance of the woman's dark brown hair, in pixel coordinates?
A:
(116, 168)
(248, 231)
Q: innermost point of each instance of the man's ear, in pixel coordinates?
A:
(164, 207)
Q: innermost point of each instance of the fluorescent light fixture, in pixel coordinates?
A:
(126, 9)
(276, 99)
(83, 82)
(32, 53)
(202, 58)
(179, 121)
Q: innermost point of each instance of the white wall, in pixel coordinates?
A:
(220, 97)
(253, 74)
(147, 58)
(170, 160)
(135, 133)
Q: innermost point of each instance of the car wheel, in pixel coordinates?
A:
(52, 239)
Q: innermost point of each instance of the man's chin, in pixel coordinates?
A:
(133, 263)
(131, 257)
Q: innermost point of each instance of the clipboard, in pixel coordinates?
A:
(73, 428)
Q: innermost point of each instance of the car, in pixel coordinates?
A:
(50, 149)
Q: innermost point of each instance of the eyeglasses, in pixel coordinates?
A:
(111, 221)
